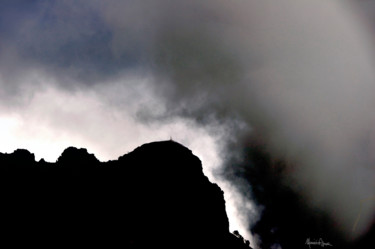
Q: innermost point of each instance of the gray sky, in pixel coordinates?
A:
(111, 75)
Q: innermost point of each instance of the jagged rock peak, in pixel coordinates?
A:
(154, 196)
(167, 147)
(19, 156)
(73, 155)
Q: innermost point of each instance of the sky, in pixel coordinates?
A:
(111, 75)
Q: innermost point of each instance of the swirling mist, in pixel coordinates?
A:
(291, 81)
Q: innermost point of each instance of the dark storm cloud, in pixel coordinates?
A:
(294, 77)
(67, 39)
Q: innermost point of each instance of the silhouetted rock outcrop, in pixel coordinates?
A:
(156, 196)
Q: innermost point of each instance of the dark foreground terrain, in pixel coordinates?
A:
(154, 197)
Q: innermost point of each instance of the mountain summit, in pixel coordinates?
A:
(155, 196)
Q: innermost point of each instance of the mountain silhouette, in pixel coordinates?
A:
(155, 196)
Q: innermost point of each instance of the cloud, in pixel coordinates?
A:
(295, 78)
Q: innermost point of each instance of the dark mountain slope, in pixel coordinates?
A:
(155, 196)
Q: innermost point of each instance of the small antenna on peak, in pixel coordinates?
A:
(170, 138)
